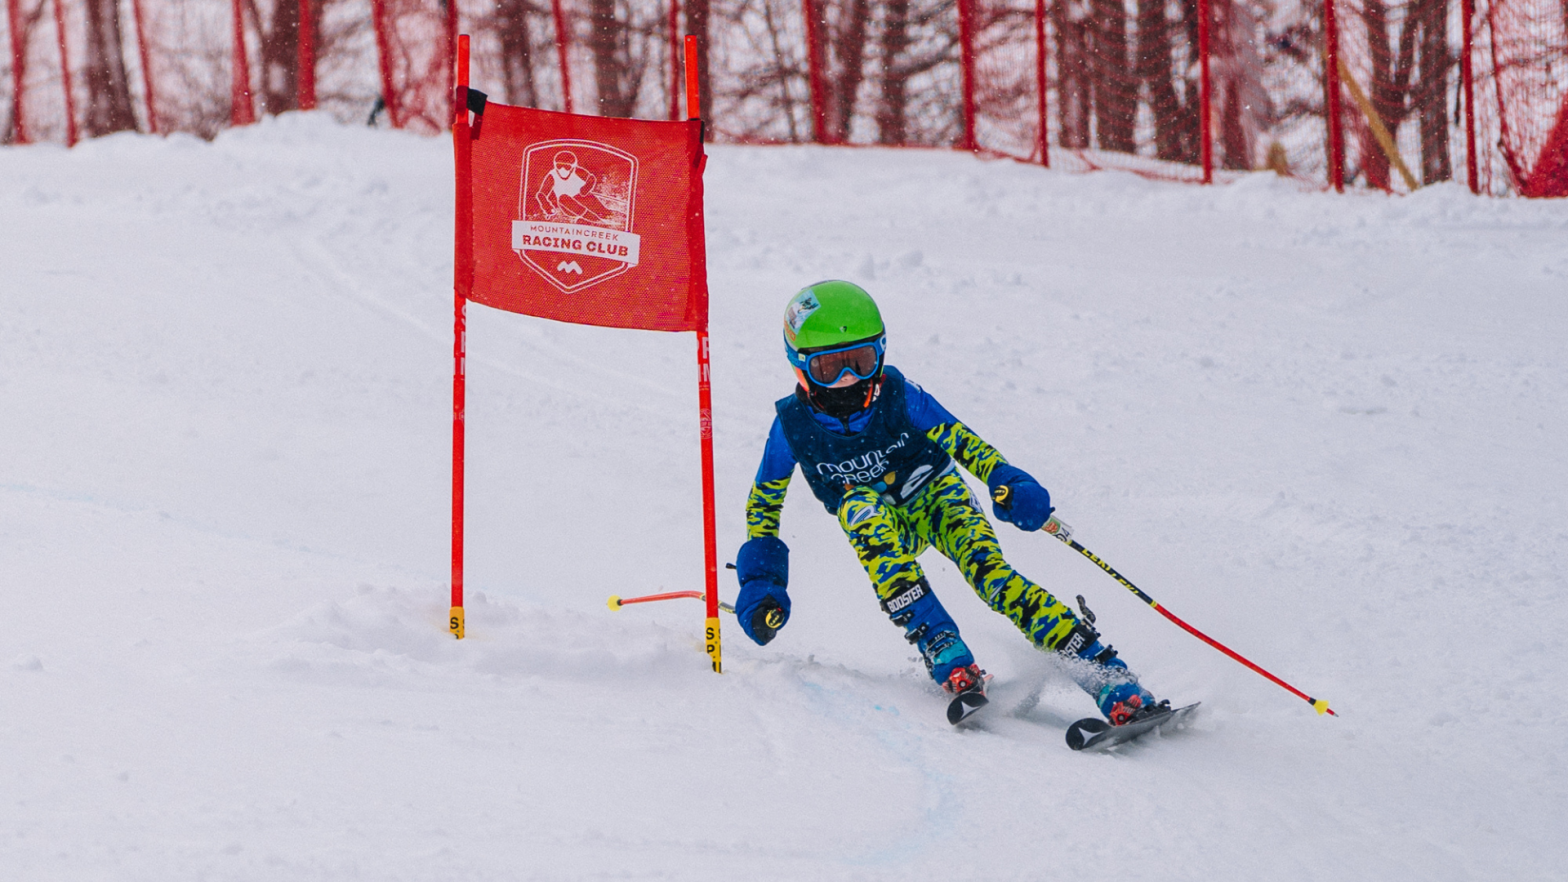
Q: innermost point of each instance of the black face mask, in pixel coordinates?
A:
(841, 403)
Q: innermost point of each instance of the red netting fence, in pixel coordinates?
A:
(1178, 89)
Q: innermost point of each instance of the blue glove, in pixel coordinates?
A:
(763, 605)
(1019, 499)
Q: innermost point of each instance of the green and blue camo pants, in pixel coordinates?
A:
(888, 538)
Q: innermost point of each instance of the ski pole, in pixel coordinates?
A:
(1063, 532)
(616, 601)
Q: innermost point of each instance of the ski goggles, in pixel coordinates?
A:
(828, 366)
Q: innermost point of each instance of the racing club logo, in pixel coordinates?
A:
(576, 206)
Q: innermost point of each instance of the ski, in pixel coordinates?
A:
(1095, 734)
(964, 704)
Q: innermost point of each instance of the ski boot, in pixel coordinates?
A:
(1097, 670)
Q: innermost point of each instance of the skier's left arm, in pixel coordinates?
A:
(1028, 502)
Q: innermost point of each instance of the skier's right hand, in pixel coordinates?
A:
(763, 605)
(1018, 498)
(763, 618)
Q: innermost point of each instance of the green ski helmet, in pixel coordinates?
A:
(829, 315)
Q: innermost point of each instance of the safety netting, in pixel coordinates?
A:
(1178, 89)
(1529, 56)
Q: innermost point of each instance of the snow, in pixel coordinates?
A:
(1325, 429)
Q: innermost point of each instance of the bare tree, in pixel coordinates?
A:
(1074, 81)
(1115, 91)
(1430, 94)
(892, 125)
(1175, 113)
(108, 87)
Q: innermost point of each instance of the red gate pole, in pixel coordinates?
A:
(1205, 94)
(462, 283)
(814, 84)
(13, 13)
(562, 40)
(675, 60)
(966, 43)
(141, 52)
(1466, 74)
(305, 59)
(710, 542)
(65, 74)
(241, 111)
(1336, 133)
(1040, 81)
(378, 18)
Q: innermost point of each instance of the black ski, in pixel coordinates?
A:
(1093, 733)
(965, 704)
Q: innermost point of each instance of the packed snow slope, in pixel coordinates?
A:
(1328, 430)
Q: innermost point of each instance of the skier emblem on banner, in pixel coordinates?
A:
(576, 205)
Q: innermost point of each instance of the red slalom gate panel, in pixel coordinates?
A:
(589, 220)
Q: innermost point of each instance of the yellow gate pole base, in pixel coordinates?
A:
(713, 645)
(454, 622)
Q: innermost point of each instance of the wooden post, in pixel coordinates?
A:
(1385, 140)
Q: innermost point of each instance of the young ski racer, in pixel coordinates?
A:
(879, 453)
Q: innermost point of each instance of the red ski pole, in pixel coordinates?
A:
(1063, 532)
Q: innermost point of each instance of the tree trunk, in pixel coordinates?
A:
(1154, 69)
(280, 57)
(1072, 65)
(1373, 163)
(609, 65)
(1234, 153)
(892, 121)
(1431, 93)
(849, 50)
(108, 88)
(1115, 92)
(517, 52)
